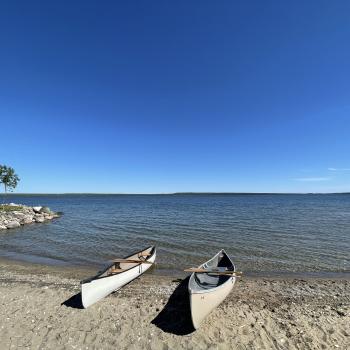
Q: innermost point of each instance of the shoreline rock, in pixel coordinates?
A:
(24, 215)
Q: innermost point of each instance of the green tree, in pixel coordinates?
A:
(8, 178)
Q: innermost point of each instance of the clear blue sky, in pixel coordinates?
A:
(164, 96)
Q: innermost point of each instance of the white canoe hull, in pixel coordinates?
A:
(202, 304)
(203, 301)
(98, 288)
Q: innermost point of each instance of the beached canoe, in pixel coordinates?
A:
(207, 290)
(116, 275)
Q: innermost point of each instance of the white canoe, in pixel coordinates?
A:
(207, 290)
(116, 275)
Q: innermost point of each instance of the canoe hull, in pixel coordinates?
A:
(202, 304)
(203, 301)
(98, 288)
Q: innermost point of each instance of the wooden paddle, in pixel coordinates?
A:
(116, 270)
(216, 272)
(132, 261)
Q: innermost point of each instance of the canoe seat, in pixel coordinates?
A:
(113, 271)
(145, 254)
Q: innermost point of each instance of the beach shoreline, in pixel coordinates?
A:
(40, 308)
(83, 271)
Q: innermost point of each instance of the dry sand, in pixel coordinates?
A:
(40, 309)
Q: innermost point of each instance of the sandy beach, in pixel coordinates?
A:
(41, 309)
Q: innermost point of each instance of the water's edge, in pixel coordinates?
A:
(82, 271)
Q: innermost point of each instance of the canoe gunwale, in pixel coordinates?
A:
(230, 279)
(99, 277)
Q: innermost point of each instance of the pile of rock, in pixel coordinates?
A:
(23, 215)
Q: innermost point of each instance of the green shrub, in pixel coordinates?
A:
(4, 207)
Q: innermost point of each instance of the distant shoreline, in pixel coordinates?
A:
(178, 193)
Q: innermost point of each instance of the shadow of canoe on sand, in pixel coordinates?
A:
(175, 317)
(74, 302)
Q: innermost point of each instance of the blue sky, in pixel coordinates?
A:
(165, 96)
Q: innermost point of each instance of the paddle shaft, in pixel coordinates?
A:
(227, 273)
(132, 261)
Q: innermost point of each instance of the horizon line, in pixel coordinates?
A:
(166, 193)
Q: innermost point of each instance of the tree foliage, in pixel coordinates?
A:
(8, 178)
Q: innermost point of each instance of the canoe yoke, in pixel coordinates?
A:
(115, 269)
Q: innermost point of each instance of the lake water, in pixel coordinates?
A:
(262, 233)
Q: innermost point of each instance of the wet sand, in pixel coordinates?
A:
(40, 308)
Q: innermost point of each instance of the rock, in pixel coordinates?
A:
(27, 220)
(18, 215)
(25, 215)
(341, 312)
(45, 210)
(13, 224)
(37, 209)
(39, 218)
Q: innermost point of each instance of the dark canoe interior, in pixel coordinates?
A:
(207, 281)
(108, 270)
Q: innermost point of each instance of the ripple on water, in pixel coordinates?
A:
(294, 233)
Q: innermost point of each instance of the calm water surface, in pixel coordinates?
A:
(262, 233)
